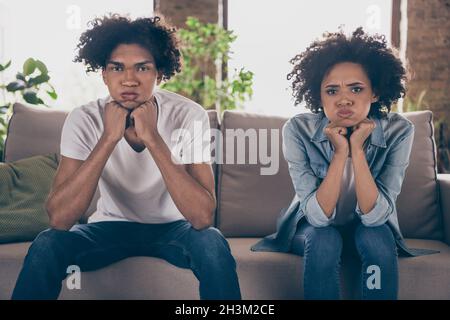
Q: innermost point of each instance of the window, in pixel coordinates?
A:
(49, 30)
(270, 33)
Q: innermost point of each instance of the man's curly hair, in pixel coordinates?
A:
(106, 33)
(385, 71)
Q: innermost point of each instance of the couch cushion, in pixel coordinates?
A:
(425, 277)
(262, 275)
(418, 203)
(249, 203)
(23, 190)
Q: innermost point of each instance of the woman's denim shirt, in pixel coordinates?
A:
(308, 152)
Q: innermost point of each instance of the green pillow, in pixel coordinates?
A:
(24, 186)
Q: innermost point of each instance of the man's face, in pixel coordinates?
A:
(346, 94)
(131, 75)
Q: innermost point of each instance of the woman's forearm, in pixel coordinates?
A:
(365, 186)
(328, 192)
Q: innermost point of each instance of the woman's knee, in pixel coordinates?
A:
(323, 242)
(377, 243)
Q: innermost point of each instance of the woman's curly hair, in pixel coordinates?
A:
(385, 71)
(106, 33)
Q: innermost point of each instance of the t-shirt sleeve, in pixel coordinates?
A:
(78, 135)
(196, 142)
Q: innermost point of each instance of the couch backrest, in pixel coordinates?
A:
(33, 131)
(249, 203)
(418, 204)
(36, 130)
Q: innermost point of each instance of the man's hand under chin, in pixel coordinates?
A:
(144, 118)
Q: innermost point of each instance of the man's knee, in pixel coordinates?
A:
(47, 242)
(210, 244)
(208, 237)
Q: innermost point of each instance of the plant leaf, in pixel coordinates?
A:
(15, 86)
(41, 67)
(38, 80)
(3, 67)
(31, 97)
(29, 66)
(53, 94)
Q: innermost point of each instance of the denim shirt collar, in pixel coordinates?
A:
(376, 137)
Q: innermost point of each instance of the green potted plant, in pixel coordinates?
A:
(26, 87)
(204, 47)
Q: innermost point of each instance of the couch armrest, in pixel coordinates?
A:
(444, 195)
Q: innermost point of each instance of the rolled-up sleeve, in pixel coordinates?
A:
(389, 181)
(314, 213)
(303, 178)
(378, 215)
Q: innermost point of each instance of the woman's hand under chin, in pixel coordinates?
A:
(337, 136)
(361, 132)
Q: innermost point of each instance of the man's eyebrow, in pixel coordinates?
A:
(144, 62)
(120, 64)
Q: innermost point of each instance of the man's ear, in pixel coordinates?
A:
(104, 75)
(159, 78)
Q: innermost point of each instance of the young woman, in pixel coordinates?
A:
(347, 160)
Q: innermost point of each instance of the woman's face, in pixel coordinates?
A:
(346, 94)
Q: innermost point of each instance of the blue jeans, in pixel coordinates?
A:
(322, 251)
(95, 245)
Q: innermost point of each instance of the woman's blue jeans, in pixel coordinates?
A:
(322, 250)
(95, 245)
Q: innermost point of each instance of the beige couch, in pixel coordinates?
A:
(248, 205)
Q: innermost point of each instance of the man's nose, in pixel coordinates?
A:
(129, 79)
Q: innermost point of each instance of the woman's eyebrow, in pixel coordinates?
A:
(120, 64)
(332, 85)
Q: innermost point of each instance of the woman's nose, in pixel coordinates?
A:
(344, 101)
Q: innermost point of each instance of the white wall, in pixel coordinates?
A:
(270, 33)
(49, 30)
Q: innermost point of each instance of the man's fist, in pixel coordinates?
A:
(114, 121)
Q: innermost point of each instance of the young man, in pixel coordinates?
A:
(153, 202)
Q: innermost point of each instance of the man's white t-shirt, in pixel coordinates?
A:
(131, 185)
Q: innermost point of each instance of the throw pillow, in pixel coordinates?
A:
(24, 186)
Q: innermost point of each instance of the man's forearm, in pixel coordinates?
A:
(195, 203)
(365, 186)
(69, 200)
(328, 192)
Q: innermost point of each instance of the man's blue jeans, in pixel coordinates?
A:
(322, 250)
(95, 245)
